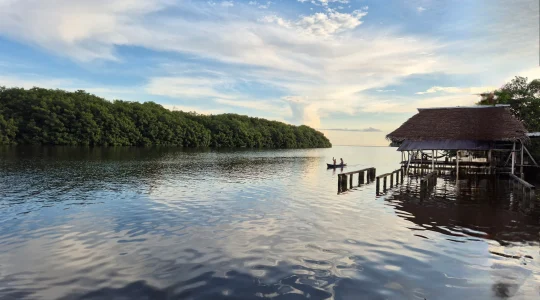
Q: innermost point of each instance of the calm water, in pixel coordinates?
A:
(172, 224)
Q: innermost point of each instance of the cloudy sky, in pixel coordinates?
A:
(357, 67)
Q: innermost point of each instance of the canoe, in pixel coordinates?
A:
(332, 166)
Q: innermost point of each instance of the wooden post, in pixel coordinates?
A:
(377, 185)
(401, 175)
(436, 158)
(513, 157)
(521, 166)
(408, 163)
(350, 181)
(361, 178)
(457, 165)
(421, 163)
(490, 161)
(339, 183)
(532, 195)
(391, 180)
(384, 183)
(432, 160)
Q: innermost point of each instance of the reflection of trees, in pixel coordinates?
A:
(477, 204)
(69, 173)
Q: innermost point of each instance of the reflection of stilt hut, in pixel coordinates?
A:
(483, 139)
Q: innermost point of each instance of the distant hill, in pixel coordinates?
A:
(56, 117)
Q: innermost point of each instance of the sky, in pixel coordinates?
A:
(354, 69)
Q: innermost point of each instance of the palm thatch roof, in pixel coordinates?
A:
(480, 123)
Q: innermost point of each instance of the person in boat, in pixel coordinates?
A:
(333, 159)
(341, 161)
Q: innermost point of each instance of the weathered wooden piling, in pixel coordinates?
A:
(427, 182)
(345, 180)
(391, 179)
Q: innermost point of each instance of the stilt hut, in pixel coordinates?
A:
(481, 138)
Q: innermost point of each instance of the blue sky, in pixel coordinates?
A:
(331, 64)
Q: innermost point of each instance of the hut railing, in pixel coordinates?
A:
(345, 180)
(527, 190)
(399, 179)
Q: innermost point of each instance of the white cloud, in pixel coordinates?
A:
(227, 4)
(189, 87)
(457, 90)
(321, 24)
(270, 106)
(326, 2)
(420, 9)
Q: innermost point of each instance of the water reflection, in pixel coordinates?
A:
(174, 224)
(479, 206)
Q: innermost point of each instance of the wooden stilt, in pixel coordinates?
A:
(521, 166)
(457, 166)
(408, 163)
(432, 160)
(490, 161)
(513, 158)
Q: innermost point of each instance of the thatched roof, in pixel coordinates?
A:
(481, 123)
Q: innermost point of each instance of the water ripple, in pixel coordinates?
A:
(179, 224)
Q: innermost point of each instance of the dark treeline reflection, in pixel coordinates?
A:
(55, 174)
(476, 207)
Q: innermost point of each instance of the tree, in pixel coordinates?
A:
(56, 117)
(524, 100)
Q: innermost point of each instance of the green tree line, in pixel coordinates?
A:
(56, 117)
(524, 100)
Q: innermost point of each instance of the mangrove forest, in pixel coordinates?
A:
(57, 117)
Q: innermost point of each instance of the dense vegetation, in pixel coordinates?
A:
(524, 100)
(56, 117)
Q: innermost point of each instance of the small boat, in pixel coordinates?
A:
(332, 166)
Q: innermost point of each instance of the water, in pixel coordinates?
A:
(165, 223)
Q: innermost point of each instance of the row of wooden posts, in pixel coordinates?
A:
(398, 174)
(345, 180)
